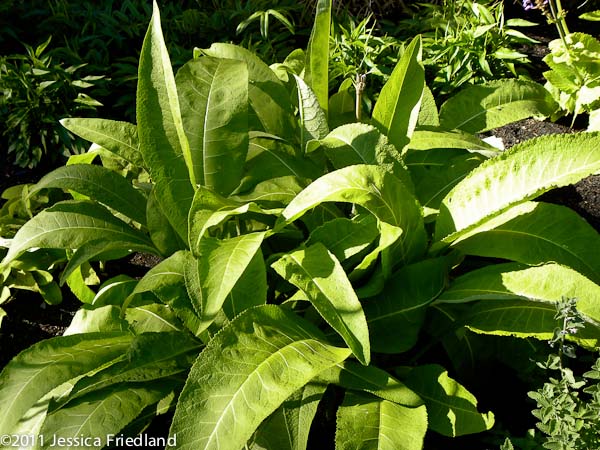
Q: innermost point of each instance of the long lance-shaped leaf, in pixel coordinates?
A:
(288, 427)
(316, 66)
(360, 143)
(524, 172)
(396, 315)
(452, 410)
(100, 416)
(120, 138)
(245, 373)
(480, 108)
(547, 283)
(100, 184)
(371, 423)
(378, 191)
(163, 143)
(220, 265)
(321, 277)
(378, 382)
(214, 108)
(397, 109)
(48, 364)
(537, 233)
(432, 137)
(250, 289)
(313, 123)
(267, 94)
(166, 280)
(71, 224)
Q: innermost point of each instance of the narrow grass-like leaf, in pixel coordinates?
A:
(397, 108)
(100, 416)
(221, 263)
(69, 225)
(451, 409)
(100, 184)
(538, 233)
(313, 122)
(214, 109)
(267, 94)
(288, 427)
(395, 316)
(481, 108)
(320, 276)
(316, 66)
(371, 423)
(372, 187)
(245, 373)
(119, 138)
(163, 143)
(48, 364)
(521, 173)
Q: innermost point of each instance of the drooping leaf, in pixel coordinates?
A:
(345, 238)
(221, 263)
(451, 409)
(313, 122)
(245, 373)
(69, 225)
(359, 143)
(378, 191)
(214, 109)
(101, 415)
(288, 427)
(539, 233)
(119, 138)
(398, 105)
(163, 143)
(48, 364)
(371, 423)
(518, 174)
(396, 315)
(100, 184)
(497, 103)
(114, 291)
(372, 379)
(167, 281)
(320, 276)
(316, 66)
(431, 138)
(268, 96)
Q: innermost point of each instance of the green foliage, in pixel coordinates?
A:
(300, 262)
(574, 75)
(468, 41)
(568, 407)
(35, 93)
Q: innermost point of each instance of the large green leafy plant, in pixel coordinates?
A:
(302, 265)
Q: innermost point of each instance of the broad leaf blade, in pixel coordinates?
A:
(48, 364)
(378, 191)
(163, 143)
(370, 423)
(288, 427)
(538, 233)
(70, 225)
(119, 138)
(316, 66)
(242, 377)
(452, 410)
(431, 138)
(397, 108)
(524, 172)
(100, 184)
(481, 108)
(214, 110)
(320, 276)
(313, 123)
